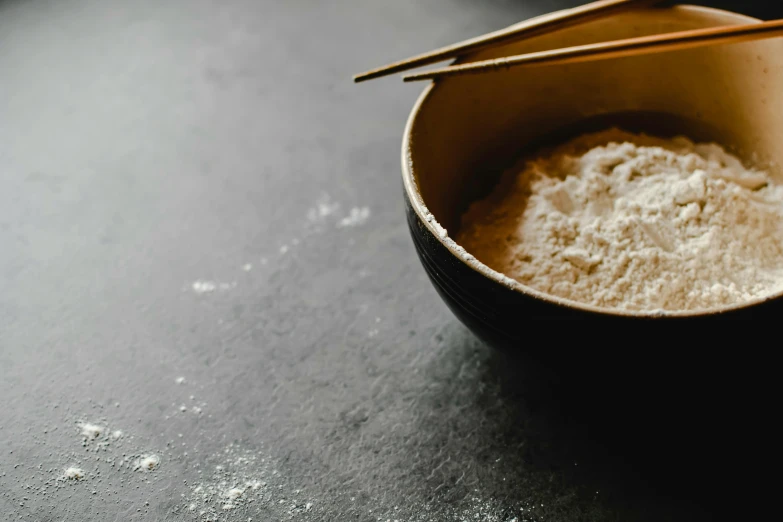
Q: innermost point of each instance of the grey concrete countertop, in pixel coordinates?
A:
(203, 246)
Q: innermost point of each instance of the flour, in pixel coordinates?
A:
(323, 211)
(91, 431)
(632, 222)
(97, 437)
(203, 287)
(470, 509)
(324, 208)
(244, 483)
(442, 232)
(357, 216)
(74, 473)
(207, 287)
(147, 463)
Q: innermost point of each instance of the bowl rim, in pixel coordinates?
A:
(459, 253)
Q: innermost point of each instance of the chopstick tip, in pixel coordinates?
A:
(370, 75)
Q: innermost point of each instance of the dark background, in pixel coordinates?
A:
(146, 145)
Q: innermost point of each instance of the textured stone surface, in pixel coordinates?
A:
(148, 145)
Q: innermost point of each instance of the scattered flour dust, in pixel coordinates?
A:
(206, 287)
(632, 222)
(240, 484)
(357, 216)
(99, 438)
(324, 208)
(237, 484)
(470, 509)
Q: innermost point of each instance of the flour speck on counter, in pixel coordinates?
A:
(74, 473)
(147, 463)
(357, 216)
(91, 431)
(208, 287)
(323, 208)
(203, 287)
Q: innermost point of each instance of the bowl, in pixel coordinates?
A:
(463, 131)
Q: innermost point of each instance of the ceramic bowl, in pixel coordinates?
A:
(463, 131)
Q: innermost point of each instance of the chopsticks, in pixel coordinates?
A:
(525, 29)
(616, 49)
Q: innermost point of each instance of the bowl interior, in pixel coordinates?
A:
(465, 130)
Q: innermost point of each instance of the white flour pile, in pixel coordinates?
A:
(632, 222)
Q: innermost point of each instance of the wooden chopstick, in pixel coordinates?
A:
(526, 29)
(615, 49)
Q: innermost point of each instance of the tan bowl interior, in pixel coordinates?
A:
(465, 130)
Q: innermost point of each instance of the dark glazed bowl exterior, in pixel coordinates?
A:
(455, 127)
